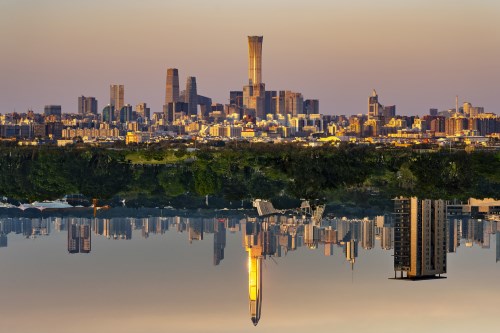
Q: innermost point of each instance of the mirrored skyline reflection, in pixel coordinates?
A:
(163, 270)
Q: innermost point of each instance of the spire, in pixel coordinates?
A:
(374, 93)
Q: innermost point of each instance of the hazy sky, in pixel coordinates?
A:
(417, 54)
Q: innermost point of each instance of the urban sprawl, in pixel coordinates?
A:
(252, 114)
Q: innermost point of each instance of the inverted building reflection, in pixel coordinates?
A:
(79, 237)
(419, 238)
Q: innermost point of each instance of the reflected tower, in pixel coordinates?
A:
(253, 245)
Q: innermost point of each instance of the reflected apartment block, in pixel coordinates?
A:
(79, 238)
(419, 238)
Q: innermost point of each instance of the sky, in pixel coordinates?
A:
(416, 54)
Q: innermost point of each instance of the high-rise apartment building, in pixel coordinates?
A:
(87, 105)
(191, 96)
(419, 237)
(116, 96)
(172, 86)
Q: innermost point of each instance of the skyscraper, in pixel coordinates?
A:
(419, 237)
(191, 96)
(255, 59)
(373, 105)
(116, 96)
(172, 87)
(87, 105)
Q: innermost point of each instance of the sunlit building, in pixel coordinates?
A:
(87, 105)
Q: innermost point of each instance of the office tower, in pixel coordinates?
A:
(270, 102)
(294, 103)
(419, 237)
(236, 98)
(433, 112)
(373, 105)
(116, 96)
(205, 104)
(388, 112)
(143, 111)
(126, 114)
(174, 111)
(311, 106)
(172, 86)
(52, 110)
(255, 59)
(191, 96)
(87, 105)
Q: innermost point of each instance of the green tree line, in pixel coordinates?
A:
(246, 171)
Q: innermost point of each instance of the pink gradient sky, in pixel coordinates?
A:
(417, 54)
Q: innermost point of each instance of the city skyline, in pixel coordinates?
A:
(337, 54)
